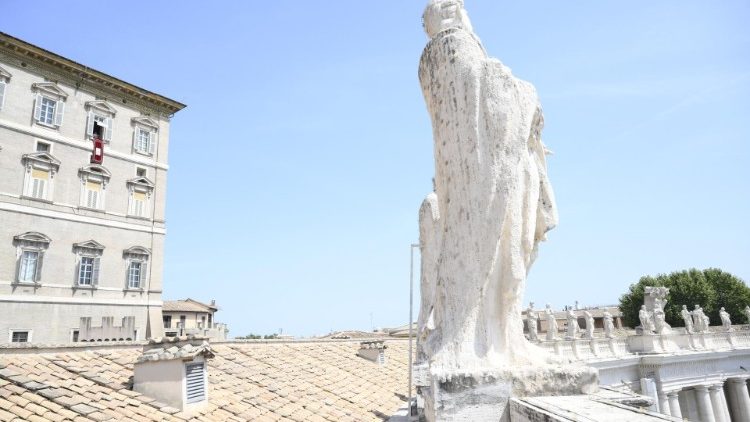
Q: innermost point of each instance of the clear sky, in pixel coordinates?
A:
(298, 167)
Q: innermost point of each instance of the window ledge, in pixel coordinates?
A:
(27, 283)
(133, 290)
(91, 209)
(138, 217)
(147, 154)
(47, 125)
(32, 198)
(84, 287)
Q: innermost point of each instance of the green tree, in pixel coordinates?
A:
(711, 289)
(731, 293)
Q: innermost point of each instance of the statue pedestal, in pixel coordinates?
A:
(484, 395)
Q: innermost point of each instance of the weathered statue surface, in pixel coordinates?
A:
(492, 204)
(479, 231)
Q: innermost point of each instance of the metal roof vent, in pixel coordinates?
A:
(173, 371)
(373, 351)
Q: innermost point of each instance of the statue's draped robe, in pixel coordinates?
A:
(491, 206)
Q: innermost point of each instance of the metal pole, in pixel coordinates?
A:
(411, 318)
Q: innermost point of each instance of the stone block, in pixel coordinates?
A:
(484, 395)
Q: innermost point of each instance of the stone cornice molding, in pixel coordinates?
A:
(4, 74)
(139, 251)
(96, 171)
(33, 237)
(44, 158)
(102, 106)
(50, 88)
(142, 182)
(145, 121)
(89, 245)
(56, 66)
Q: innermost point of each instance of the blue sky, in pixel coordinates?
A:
(300, 163)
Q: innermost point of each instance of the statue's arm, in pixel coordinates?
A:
(429, 234)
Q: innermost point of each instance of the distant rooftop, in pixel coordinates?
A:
(252, 380)
(187, 305)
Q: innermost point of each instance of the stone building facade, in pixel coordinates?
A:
(79, 238)
(189, 316)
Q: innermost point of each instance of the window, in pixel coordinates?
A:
(141, 172)
(47, 114)
(167, 321)
(144, 135)
(182, 321)
(88, 267)
(134, 274)
(74, 336)
(94, 179)
(43, 147)
(4, 79)
(93, 192)
(49, 104)
(136, 258)
(143, 141)
(30, 248)
(141, 189)
(41, 168)
(89, 255)
(39, 181)
(100, 120)
(29, 266)
(19, 336)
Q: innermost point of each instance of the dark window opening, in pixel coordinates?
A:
(167, 321)
(98, 130)
(20, 337)
(75, 336)
(42, 147)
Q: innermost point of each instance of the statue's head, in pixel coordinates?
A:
(440, 15)
(722, 309)
(697, 307)
(643, 307)
(684, 307)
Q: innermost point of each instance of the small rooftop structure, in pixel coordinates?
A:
(174, 371)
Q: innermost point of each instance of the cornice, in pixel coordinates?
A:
(55, 66)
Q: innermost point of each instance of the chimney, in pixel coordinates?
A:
(173, 371)
(373, 351)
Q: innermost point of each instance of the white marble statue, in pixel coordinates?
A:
(589, 334)
(647, 322)
(747, 313)
(532, 321)
(609, 326)
(572, 327)
(660, 323)
(726, 320)
(688, 318)
(492, 202)
(552, 327)
(699, 320)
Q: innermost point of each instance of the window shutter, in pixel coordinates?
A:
(151, 142)
(78, 271)
(108, 133)
(39, 261)
(19, 259)
(2, 94)
(194, 383)
(59, 112)
(90, 124)
(95, 273)
(142, 278)
(38, 107)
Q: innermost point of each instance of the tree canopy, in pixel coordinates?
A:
(712, 289)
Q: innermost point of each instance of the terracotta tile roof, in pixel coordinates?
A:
(187, 305)
(274, 381)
